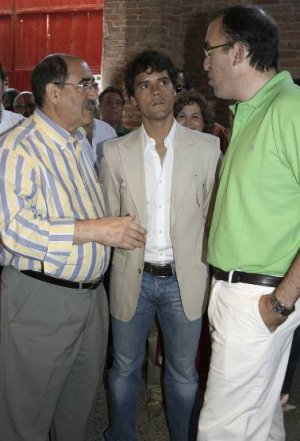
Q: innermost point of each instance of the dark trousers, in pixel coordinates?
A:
(292, 363)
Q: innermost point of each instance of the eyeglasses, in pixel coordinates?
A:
(209, 49)
(84, 87)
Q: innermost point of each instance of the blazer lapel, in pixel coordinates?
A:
(182, 168)
(133, 163)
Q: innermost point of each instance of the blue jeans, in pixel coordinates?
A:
(181, 337)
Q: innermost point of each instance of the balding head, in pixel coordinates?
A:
(52, 69)
(24, 104)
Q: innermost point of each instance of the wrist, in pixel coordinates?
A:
(279, 307)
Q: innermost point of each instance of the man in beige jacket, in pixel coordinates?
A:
(164, 174)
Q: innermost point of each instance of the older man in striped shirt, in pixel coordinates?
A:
(54, 250)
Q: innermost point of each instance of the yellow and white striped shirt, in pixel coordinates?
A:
(47, 183)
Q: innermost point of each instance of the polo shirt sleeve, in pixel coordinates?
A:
(286, 127)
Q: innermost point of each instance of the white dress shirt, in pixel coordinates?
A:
(158, 177)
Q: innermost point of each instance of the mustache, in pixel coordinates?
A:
(90, 105)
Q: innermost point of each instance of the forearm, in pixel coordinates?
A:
(86, 231)
(120, 232)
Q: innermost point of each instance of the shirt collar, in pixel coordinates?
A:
(55, 131)
(264, 92)
(150, 142)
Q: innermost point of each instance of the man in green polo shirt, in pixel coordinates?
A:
(255, 234)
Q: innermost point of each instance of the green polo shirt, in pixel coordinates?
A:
(256, 221)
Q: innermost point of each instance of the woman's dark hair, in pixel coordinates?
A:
(152, 61)
(257, 30)
(51, 69)
(192, 96)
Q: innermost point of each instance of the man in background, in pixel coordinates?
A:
(255, 233)
(24, 104)
(8, 98)
(111, 104)
(8, 119)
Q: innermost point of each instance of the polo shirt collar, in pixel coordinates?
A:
(264, 92)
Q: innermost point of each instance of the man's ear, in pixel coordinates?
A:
(240, 53)
(133, 101)
(53, 92)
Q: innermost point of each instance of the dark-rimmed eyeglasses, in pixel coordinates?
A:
(209, 49)
(84, 87)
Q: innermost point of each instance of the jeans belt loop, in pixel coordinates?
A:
(230, 277)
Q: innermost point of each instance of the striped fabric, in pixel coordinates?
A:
(47, 182)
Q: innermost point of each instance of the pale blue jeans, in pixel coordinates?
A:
(181, 337)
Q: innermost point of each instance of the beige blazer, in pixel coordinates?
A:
(123, 181)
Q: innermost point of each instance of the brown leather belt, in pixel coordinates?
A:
(160, 270)
(60, 282)
(252, 278)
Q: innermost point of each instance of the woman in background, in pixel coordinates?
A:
(192, 110)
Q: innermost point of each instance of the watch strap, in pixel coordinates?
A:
(278, 307)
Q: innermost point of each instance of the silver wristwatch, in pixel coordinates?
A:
(278, 307)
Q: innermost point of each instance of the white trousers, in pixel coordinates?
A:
(247, 367)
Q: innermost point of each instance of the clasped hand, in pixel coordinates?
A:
(122, 232)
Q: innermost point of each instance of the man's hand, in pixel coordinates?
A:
(271, 318)
(120, 232)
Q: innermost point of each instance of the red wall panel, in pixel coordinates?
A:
(6, 41)
(55, 4)
(7, 5)
(37, 28)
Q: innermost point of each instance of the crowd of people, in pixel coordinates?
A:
(185, 215)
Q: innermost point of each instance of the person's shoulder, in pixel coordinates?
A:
(9, 121)
(125, 140)
(287, 93)
(199, 139)
(16, 143)
(104, 127)
(14, 116)
(122, 131)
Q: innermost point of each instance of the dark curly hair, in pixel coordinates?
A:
(192, 96)
(148, 60)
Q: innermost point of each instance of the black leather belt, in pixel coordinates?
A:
(252, 278)
(60, 282)
(165, 270)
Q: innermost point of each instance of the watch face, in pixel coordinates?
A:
(278, 307)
